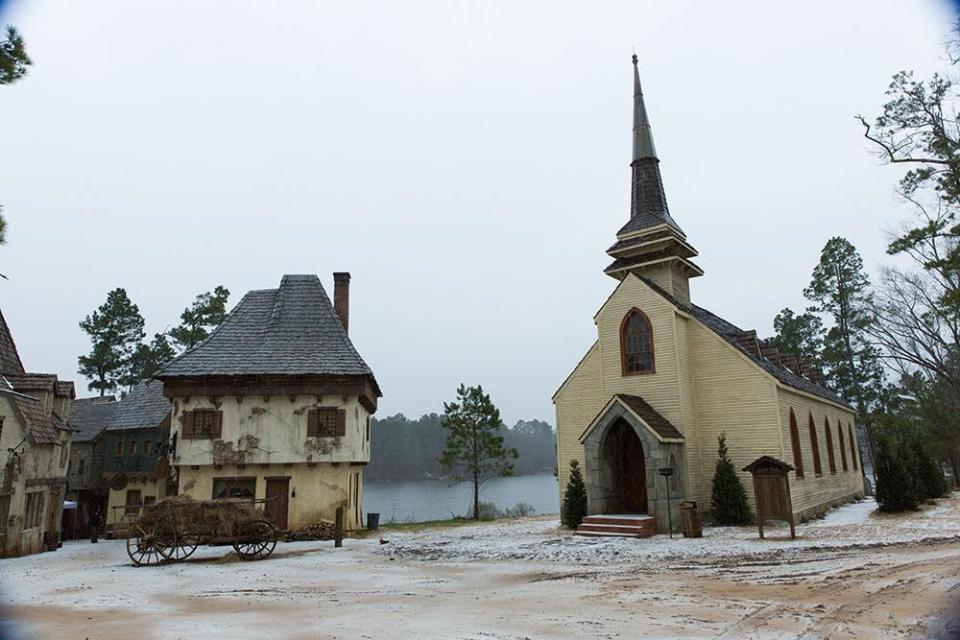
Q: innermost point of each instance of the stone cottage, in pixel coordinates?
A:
(276, 403)
(666, 377)
(34, 453)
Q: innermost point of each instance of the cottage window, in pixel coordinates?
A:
(64, 449)
(815, 447)
(795, 443)
(132, 447)
(33, 514)
(81, 466)
(636, 344)
(202, 424)
(146, 447)
(853, 447)
(843, 448)
(326, 422)
(119, 447)
(830, 457)
(133, 502)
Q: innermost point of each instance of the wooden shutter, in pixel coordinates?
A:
(341, 425)
(313, 428)
(217, 427)
(187, 433)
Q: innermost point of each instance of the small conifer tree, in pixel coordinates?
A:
(729, 498)
(574, 507)
(896, 484)
(930, 481)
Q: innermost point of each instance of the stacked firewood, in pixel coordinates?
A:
(320, 530)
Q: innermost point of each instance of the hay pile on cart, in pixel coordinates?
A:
(172, 529)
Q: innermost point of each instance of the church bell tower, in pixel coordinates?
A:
(651, 245)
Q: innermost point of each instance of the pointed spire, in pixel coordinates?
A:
(642, 135)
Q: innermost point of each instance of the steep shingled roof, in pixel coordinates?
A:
(90, 416)
(144, 407)
(9, 357)
(32, 381)
(41, 427)
(291, 330)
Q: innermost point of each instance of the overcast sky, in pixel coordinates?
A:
(466, 162)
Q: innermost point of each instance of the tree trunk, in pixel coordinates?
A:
(476, 495)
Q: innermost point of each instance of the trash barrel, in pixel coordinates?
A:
(690, 520)
(373, 521)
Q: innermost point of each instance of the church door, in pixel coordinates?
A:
(634, 476)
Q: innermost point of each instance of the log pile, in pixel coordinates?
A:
(320, 530)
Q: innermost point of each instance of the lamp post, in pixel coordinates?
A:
(666, 472)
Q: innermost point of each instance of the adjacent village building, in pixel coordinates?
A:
(86, 485)
(666, 377)
(276, 404)
(135, 467)
(34, 453)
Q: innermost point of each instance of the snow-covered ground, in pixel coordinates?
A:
(854, 525)
(853, 574)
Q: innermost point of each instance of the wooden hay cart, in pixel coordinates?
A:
(172, 529)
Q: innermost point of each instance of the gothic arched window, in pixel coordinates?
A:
(830, 457)
(843, 447)
(853, 446)
(815, 446)
(636, 343)
(795, 442)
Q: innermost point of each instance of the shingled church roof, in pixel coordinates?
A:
(291, 330)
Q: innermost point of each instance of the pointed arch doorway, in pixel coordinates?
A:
(624, 460)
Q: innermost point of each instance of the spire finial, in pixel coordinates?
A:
(642, 135)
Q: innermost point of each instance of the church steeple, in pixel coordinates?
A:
(651, 243)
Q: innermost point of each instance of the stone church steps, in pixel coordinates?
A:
(622, 526)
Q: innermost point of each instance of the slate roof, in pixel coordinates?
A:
(9, 357)
(90, 416)
(291, 330)
(656, 421)
(145, 407)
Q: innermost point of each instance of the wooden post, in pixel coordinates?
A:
(338, 528)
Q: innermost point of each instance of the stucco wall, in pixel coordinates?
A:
(117, 498)
(271, 430)
(319, 488)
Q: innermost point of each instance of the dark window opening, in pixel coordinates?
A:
(636, 344)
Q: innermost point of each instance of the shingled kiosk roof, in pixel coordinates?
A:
(145, 407)
(90, 416)
(292, 330)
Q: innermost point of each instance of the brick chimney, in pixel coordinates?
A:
(341, 297)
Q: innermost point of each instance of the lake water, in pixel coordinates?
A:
(421, 500)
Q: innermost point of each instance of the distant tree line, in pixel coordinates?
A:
(405, 449)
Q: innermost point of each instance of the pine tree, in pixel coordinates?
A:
(13, 57)
(474, 446)
(116, 330)
(200, 318)
(149, 358)
(574, 508)
(896, 484)
(799, 334)
(729, 498)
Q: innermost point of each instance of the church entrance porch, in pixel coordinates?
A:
(625, 447)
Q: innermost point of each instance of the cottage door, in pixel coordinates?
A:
(278, 492)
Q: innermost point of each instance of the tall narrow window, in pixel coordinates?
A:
(795, 443)
(843, 447)
(815, 447)
(853, 447)
(636, 344)
(829, 436)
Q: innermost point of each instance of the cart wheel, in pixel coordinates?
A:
(177, 547)
(144, 546)
(256, 540)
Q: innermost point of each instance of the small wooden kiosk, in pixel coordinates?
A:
(771, 487)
